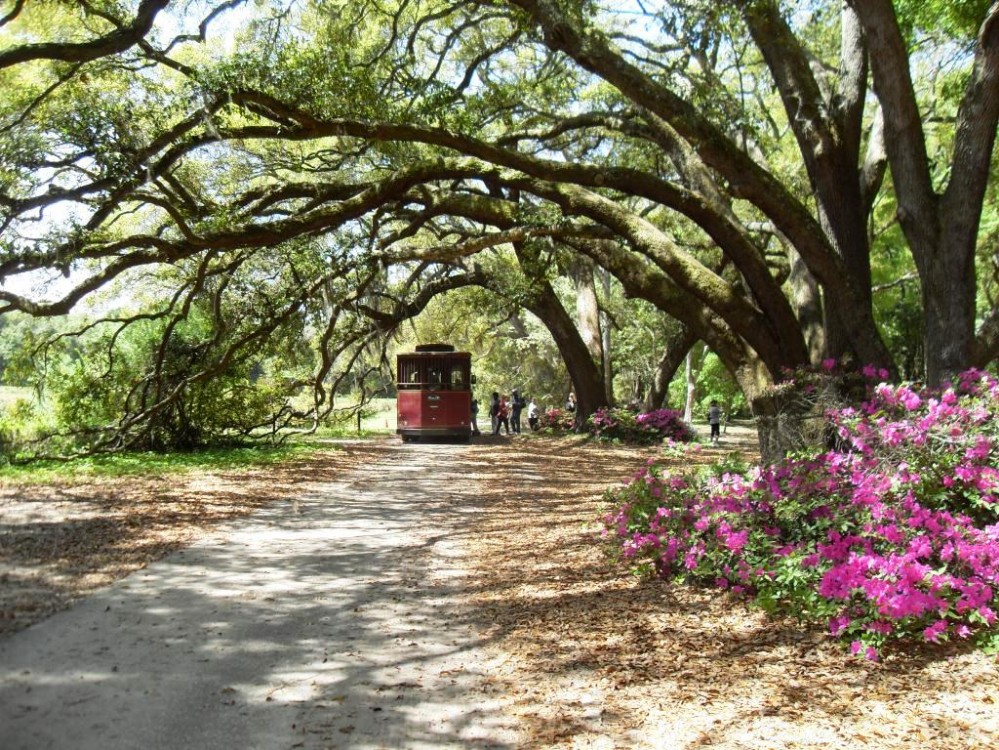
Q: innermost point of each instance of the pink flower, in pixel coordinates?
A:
(909, 400)
(838, 624)
(934, 631)
(980, 450)
(736, 540)
(966, 474)
(896, 530)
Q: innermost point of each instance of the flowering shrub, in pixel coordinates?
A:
(557, 420)
(640, 427)
(894, 536)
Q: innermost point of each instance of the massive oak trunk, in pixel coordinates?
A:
(827, 125)
(587, 307)
(586, 375)
(807, 302)
(941, 229)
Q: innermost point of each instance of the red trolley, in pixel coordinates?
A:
(435, 393)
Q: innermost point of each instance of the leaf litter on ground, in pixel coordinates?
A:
(593, 657)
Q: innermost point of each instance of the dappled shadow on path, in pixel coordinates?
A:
(343, 614)
(62, 541)
(319, 623)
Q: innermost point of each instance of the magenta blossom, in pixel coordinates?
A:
(894, 535)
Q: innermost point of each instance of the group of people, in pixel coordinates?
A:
(506, 413)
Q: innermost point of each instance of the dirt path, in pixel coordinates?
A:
(361, 607)
(326, 622)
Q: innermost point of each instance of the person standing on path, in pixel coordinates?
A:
(494, 413)
(502, 416)
(517, 405)
(532, 415)
(714, 419)
(475, 416)
(570, 403)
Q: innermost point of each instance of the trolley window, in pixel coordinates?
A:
(423, 372)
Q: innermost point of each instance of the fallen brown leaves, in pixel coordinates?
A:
(604, 660)
(59, 542)
(595, 657)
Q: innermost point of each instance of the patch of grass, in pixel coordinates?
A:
(377, 418)
(343, 432)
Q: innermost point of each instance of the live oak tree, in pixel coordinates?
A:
(342, 163)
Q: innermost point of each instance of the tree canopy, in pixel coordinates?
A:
(290, 181)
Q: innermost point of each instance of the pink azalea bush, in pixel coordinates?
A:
(556, 420)
(893, 536)
(630, 426)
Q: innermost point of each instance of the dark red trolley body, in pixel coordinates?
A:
(435, 396)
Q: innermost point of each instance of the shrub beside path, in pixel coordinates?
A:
(423, 596)
(610, 661)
